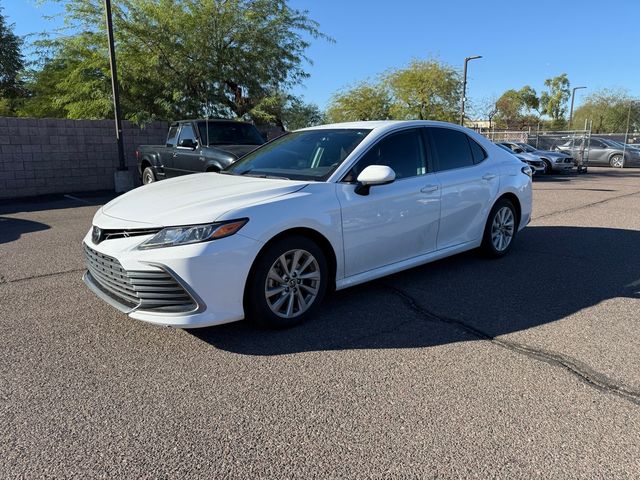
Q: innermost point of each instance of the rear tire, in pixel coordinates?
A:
(148, 176)
(500, 230)
(616, 161)
(287, 283)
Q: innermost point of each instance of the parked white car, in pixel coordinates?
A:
(322, 208)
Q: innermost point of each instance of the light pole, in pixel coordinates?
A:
(464, 85)
(573, 96)
(121, 177)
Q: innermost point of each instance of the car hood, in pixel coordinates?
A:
(193, 199)
(549, 153)
(528, 156)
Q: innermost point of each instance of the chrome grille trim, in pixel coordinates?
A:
(157, 291)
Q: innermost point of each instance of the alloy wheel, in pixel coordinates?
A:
(502, 229)
(147, 177)
(293, 283)
(617, 161)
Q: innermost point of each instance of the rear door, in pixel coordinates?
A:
(469, 183)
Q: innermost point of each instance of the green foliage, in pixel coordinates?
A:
(423, 90)
(554, 100)
(287, 112)
(176, 59)
(365, 101)
(11, 65)
(608, 110)
(514, 107)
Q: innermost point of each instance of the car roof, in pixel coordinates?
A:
(211, 120)
(380, 126)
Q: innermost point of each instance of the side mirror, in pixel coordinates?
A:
(188, 143)
(518, 150)
(374, 175)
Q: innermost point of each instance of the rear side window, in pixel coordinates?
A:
(477, 151)
(171, 137)
(452, 148)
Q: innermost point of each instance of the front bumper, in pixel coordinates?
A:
(214, 273)
(563, 166)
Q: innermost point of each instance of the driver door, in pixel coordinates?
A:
(393, 222)
(188, 156)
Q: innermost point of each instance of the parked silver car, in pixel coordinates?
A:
(537, 165)
(603, 151)
(553, 161)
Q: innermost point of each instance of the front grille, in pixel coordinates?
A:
(143, 290)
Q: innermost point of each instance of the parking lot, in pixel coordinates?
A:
(526, 367)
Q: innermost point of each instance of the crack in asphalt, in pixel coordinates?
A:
(3, 280)
(579, 369)
(586, 205)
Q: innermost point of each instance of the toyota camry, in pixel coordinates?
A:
(318, 209)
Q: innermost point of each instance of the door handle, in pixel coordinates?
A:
(488, 176)
(429, 188)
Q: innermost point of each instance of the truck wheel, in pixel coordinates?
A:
(148, 176)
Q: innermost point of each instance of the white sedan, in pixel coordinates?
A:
(318, 209)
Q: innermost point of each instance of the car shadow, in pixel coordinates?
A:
(551, 272)
(13, 228)
(55, 202)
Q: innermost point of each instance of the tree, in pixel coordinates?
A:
(425, 90)
(287, 112)
(608, 110)
(514, 107)
(178, 58)
(11, 65)
(554, 101)
(365, 101)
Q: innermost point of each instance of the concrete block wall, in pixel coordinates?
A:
(43, 156)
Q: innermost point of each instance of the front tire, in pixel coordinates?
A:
(616, 161)
(287, 283)
(548, 169)
(148, 176)
(500, 230)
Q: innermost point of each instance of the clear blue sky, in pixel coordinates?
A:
(596, 43)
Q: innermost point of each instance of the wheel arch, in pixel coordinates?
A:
(314, 235)
(513, 198)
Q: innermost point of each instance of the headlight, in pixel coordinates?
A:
(559, 160)
(172, 236)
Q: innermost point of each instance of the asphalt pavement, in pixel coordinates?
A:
(524, 367)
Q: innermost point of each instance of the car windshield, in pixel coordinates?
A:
(229, 133)
(526, 147)
(304, 155)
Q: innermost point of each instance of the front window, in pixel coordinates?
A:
(305, 155)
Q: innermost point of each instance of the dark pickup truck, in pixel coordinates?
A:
(197, 146)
